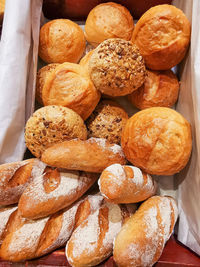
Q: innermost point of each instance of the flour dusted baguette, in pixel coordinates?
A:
(15, 176)
(126, 184)
(92, 241)
(142, 238)
(27, 239)
(54, 190)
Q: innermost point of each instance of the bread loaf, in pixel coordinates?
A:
(142, 238)
(15, 176)
(126, 184)
(54, 190)
(92, 241)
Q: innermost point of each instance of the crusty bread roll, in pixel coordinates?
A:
(162, 35)
(92, 241)
(142, 238)
(61, 40)
(108, 20)
(68, 85)
(116, 67)
(52, 124)
(84, 62)
(160, 89)
(14, 178)
(126, 184)
(93, 155)
(54, 190)
(107, 121)
(158, 140)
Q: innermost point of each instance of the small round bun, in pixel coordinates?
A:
(50, 125)
(160, 89)
(68, 85)
(92, 155)
(61, 40)
(162, 35)
(126, 184)
(116, 67)
(84, 62)
(108, 20)
(41, 78)
(107, 121)
(158, 140)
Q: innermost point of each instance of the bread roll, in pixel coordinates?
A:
(126, 184)
(54, 190)
(61, 40)
(108, 20)
(68, 85)
(158, 140)
(162, 35)
(14, 178)
(84, 62)
(92, 241)
(116, 67)
(107, 121)
(160, 89)
(93, 155)
(142, 238)
(52, 124)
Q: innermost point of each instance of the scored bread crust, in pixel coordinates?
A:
(92, 155)
(158, 140)
(162, 35)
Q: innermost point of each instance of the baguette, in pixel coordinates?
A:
(92, 241)
(27, 239)
(126, 184)
(54, 190)
(15, 176)
(142, 238)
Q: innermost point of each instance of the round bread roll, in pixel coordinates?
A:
(116, 67)
(107, 121)
(108, 20)
(50, 125)
(68, 85)
(160, 89)
(84, 62)
(92, 155)
(158, 140)
(41, 77)
(61, 40)
(162, 35)
(126, 184)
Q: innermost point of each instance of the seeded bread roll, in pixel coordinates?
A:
(108, 20)
(160, 89)
(50, 125)
(116, 67)
(107, 121)
(61, 40)
(162, 35)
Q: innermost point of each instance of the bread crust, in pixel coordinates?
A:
(162, 35)
(158, 140)
(160, 89)
(93, 155)
(108, 20)
(61, 40)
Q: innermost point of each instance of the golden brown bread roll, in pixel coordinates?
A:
(158, 140)
(160, 89)
(108, 20)
(52, 124)
(93, 155)
(116, 67)
(68, 85)
(162, 35)
(107, 121)
(142, 238)
(61, 40)
(84, 62)
(126, 184)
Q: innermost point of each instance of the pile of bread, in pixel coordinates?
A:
(81, 135)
